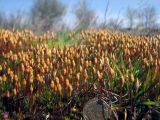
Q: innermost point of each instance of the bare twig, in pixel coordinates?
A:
(105, 13)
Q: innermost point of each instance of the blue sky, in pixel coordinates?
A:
(115, 6)
(12, 6)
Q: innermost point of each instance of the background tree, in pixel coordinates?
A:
(46, 14)
(17, 21)
(115, 23)
(150, 19)
(131, 17)
(2, 19)
(106, 16)
(13, 21)
(147, 20)
(143, 20)
(85, 17)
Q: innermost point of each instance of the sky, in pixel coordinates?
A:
(115, 6)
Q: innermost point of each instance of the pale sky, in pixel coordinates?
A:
(115, 6)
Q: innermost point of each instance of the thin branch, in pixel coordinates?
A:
(105, 13)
